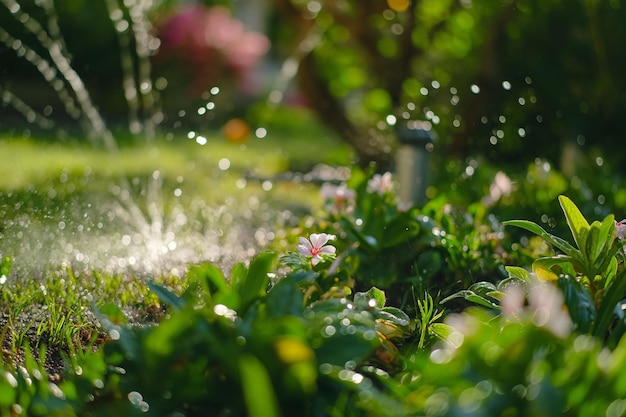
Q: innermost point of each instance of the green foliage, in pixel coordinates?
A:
(588, 273)
(409, 249)
(494, 366)
(496, 80)
(240, 347)
(311, 342)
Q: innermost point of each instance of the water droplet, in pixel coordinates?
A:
(114, 334)
(369, 334)
(260, 133)
(506, 85)
(224, 164)
(475, 89)
(314, 7)
(357, 378)
(241, 183)
(328, 331)
(325, 369)
(135, 398)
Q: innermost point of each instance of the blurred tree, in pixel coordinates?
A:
(511, 80)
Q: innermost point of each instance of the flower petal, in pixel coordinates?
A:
(327, 250)
(319, 239)
(305, 247)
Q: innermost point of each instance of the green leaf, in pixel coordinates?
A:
(601, 236)
(579, 303)
(258, 392)
(254, 284)
(517, 272)
(577, 223)
(238, 275)
(613, 295)
(440, 330)
(610, 272)
(167, 296)
(472, 297)
(482, 288)
(555, 241)
(373, 293)
(395, 315)
(210, 276)
(564, 263)
(286, 297)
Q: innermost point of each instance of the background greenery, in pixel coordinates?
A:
(524, 98)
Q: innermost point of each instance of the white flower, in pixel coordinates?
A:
(316, 246)
(380, 184)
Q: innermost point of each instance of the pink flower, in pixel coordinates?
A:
(380, 184)
(316, 246)
(545, 308)
(338, 197)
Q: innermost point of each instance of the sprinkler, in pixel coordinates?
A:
(412, 159)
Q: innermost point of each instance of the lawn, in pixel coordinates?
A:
(85, 226)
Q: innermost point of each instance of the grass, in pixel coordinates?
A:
(77, 240)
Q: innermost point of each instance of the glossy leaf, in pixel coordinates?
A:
(441, 330)
(579, 303)
(577, 223)
(518, 272)
(372, 294)
(601, 237)
(255, 282)
(210, 276)
(555, 241)
(286, 297)
(167, 296)
(471, 296)
(547, 264)
(612, 297)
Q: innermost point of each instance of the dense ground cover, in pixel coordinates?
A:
(351, 305)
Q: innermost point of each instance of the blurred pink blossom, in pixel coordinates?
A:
(210, 44)
(380, 184)
(340, 198)
(545, 308)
